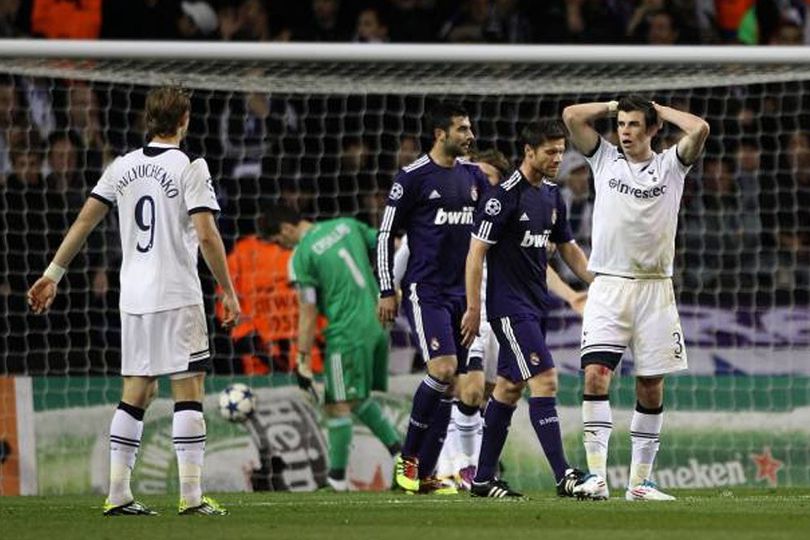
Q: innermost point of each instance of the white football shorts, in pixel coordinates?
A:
(172, 342)
(637, 313)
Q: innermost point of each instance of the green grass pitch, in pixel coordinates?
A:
(730, 514)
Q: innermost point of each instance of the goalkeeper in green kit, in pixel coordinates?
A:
(331, 270)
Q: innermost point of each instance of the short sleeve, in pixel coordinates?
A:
(300, 272)
(672, 164)
(104, 190)
(601, 157)
(198, 188)
(561, 229)
(493, 215)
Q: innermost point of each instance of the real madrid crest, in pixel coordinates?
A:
(474, 193)
(554, 216)
(534, 358)
(434, 344)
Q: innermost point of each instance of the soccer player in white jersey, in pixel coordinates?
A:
(631, 303)
(166, 205)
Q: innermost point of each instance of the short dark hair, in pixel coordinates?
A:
(165, 108)
(634, 102)
(541, 131)
(273, 216)
(494, 157)
(442, 113)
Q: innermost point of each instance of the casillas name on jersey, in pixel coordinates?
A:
(436, 207)
(156, 189)
(519, 220)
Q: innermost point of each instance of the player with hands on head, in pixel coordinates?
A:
(631, 303)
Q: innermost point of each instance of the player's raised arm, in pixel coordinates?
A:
(43, 292)
(213, 251)
(473, 274)
(578, 119)
(695, 128)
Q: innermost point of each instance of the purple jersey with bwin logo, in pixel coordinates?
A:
(435, 205)
(518, 220)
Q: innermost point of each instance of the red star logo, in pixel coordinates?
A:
(377, 483)
(767, 466)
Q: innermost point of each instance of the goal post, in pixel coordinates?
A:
(326, 126)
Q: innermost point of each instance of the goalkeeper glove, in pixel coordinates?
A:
(303, 375)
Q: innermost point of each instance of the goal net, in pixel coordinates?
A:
(327, 135)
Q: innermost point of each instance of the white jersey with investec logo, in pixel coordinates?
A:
(635, 214)
(156, 189)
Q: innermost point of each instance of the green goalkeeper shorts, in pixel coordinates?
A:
(353, 372)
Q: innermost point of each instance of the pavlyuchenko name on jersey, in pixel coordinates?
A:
(149, 170)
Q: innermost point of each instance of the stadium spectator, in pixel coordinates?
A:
(507, 23)
(467, 24)
(64, 174)
(9, 10)
(662, 28)
(787, 33)
(56, 19)
(37, 92)
(415, 21)
(264, 339)
(10, 115)
(408, 151)
(197, 20)
(793, 237)
(84, 120)
(722, 232)
(575, 177)
(325, 23)
(580, 21)
(68, 181)
(35, 211)
(251, 20)
(371, 27)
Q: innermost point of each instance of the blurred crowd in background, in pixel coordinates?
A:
(744, 238)
(655, 22)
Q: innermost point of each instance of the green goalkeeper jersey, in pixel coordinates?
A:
(333, 258)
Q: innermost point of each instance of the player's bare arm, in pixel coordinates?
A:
(213, 252)
(43, 292)
(578, 119)
(307, 322)
(575, 299)
(695, 128)
(576, 260)
(473, 272)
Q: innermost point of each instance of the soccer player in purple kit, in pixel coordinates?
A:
(433, 200)
(513, 226)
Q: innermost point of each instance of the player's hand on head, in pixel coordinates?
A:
(231, 310)
(387, 309)
(41, 295)
(470, 324)
(577, 302)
